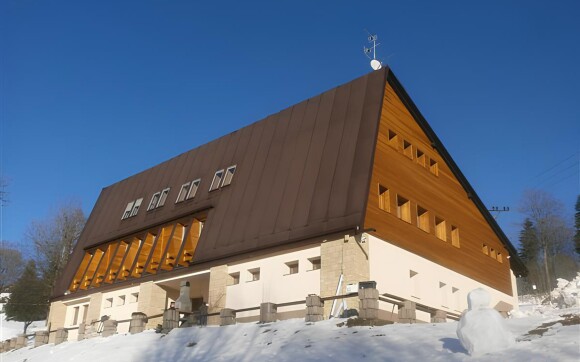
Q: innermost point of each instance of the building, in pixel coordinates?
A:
(348, 186)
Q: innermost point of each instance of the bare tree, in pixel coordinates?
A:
(552, 233)
(11, 266)
(54, 240)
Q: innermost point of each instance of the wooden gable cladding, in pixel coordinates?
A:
(436, 193)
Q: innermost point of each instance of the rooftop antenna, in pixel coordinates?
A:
(375, 64)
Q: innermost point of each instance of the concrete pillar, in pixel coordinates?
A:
(109, 327)
(170, 320)
(40, 338)
(60, 336)
(408, 312)
(13, 343)
(183, 302)
(94, 310)
(138, 322)
(227, 316)
(82, 331)
(152, 301)
(56, 319)
(439, 316)
(218, 277)
(368, 303)
(5, 346)
(268, 313)
(21, 341)
(314, 308)
(346, 253)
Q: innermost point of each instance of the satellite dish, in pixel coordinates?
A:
(376, 65)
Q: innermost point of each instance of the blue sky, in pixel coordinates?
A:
(93, 92)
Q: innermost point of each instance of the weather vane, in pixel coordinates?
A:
(375, 64)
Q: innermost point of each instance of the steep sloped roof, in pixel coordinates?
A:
(300, 173)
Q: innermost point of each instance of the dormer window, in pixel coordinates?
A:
(158, 199)
(229, 175)
(188, 190)
(217, 179)
(132, 209)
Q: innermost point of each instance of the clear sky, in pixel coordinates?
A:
(92, 92)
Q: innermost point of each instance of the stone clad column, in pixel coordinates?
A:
(40, 338)
(138, 322)
(218, 277)
(152, 301)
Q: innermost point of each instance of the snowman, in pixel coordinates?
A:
(482, 329)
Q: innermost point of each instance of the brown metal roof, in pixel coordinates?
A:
(300, 173)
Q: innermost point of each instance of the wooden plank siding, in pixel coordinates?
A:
(442, 196)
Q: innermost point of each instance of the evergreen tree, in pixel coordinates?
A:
(577, 225)
(28, 298)
(528, 242)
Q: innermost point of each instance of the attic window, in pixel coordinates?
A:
(455, 236)
(433, 167)
(422, 219)
(440, 230)
(393, 140)
(132, 209)
(420, 157)
(407, 149)
(403, 209)
(384, 198)
(217, 179)
(188, 190)
(229, 175)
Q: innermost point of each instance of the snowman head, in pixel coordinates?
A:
(478, 298)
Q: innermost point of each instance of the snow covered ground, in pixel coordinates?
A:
(294, 340)
(542, 332)
(9, 329)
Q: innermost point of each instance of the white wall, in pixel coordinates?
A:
(276, 285)
(433, 285)
(120, 309)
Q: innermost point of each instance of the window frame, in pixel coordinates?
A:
(216, 185)
(229, 175)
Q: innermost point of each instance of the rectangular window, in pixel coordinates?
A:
(403, 209)
(393, 140)
(292, 267)
(254, 274)
(154, 201)
(440, 230)
(229, 175)
(183, 192)
(433, 167)
(443, 288)
(217, 179)
(136, 206)
(315, 263)
(422, 219)
(421, 157)
(416, 287)
(193, 189)
(76, 316)
(234, 278)
(407, 149)
(455, 236)
(384, 199)
(85, 312)
(128, 210)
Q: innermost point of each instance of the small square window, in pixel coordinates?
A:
(499, 257)
(133, 297)
(121, 300)
(254, 274)
(407, 149)
(440, 229)
(422, 219)
(403, 209)
(393, 140)
(420, 157)
(484, 249)
(455, 236)
(492, 253)
(234, 278)
(315, 263)
(108, 303)
(433, 167)
(229, 175)
(217, 179)
(292, 267)
(384, 198)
